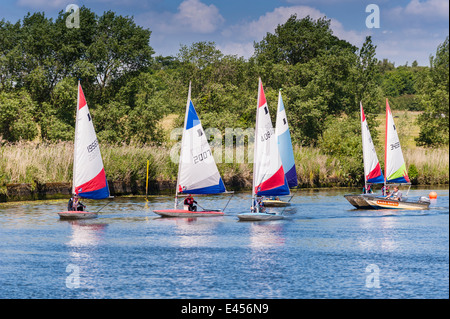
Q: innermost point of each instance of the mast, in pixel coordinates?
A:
(362, 136)
(385, 147)
(255, 155)
(181, 145)
(76, 138)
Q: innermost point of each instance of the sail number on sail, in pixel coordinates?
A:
(92, 146)
(266, 136)
(202, 156)
(395, 145)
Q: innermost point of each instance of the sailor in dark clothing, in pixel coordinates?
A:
(75, 204)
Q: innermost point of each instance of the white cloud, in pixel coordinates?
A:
(258, 28)
(430, 8)
(413, 31)
(416, 12)
(244, 49)
(255, 30)
(199, 17)
(191, 16)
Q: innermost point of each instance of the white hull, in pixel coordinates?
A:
(259, 216)
(380, 202)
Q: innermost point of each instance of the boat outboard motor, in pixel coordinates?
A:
(424, 199)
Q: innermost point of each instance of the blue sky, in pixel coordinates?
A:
(409, 29)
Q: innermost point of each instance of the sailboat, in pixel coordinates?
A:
(89, 179)
(372, 169)
(197, 170)
(395, 171)
(268, 174)
(286, 151)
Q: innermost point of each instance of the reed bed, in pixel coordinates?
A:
(46, 163)
(432, 164)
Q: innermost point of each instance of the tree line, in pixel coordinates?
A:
(129, 90)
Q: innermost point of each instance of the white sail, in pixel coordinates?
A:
(197, 170)
(268, 172)
(372, 169)
(395, 168)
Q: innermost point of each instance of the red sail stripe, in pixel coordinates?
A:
(98, 182)
(276, 180)
(262, 97)
(81, 98)
(375, 172)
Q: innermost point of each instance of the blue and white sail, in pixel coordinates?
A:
(197, 170)
(285, 144)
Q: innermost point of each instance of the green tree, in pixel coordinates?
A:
(16, 116)
(368, 91)
(298, 41)
(342, 140)
(434, 95)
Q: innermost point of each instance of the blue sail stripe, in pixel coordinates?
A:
(277, 191)
(192, 118)
(291, 177)
(97, 194)
(400, 180)
(214, 189)
(376, 180)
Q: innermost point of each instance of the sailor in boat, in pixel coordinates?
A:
(189, 202)
(75, 204)
(396, 194)
(367, 190)
(385, 191)
(259, 202)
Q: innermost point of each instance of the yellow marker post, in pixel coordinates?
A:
(146, 183)
(146, 188)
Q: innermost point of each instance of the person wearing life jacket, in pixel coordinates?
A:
(367, 190)
(75, 204)
(258, 203)
(189, 201)
(396, 194)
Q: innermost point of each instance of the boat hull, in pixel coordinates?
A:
(187, 213)
(384, 203)
(77, 215)
(259, 216)
(275, 203)
(359, 201)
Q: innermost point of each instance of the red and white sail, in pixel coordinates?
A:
(372, 169)
(89, 179)
(268, 173)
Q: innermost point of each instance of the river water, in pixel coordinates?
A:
(323, 249)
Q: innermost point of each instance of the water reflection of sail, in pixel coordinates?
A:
(382, 228)
(84, 234)
(193, 232)
(266, 235)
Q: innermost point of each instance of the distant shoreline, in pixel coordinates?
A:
(51, 191)
(41, 171)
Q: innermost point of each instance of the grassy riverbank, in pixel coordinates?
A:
(52, 163)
